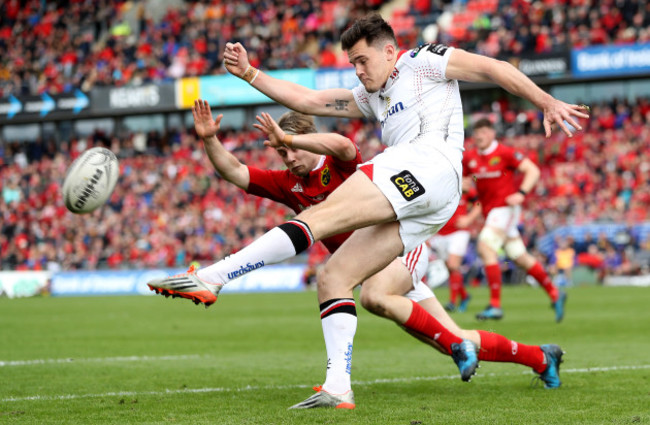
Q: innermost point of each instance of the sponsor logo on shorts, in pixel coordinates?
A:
(407, 185)
(325, 176)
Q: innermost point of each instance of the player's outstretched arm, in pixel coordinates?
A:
(331, 102)
(331, 144)
(467, 66)
(223, 161)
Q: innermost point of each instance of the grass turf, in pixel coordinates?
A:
(246, 359)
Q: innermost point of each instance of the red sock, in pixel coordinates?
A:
(537, 271)
(498, 348)
(461, 287)
(455, 285)
(493, 274)
(424, 323)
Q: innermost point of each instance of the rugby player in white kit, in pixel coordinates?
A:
(394, 202)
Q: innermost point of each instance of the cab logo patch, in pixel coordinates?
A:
(325, 176)
(407, 185)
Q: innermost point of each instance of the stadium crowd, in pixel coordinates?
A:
(511, 28)
(169, 207)
(57, 46)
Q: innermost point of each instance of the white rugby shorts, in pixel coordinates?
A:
(455, 243)
(417, 262)
(506, 219)
(421, 184)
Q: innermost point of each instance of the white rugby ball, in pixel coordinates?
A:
(90, 180)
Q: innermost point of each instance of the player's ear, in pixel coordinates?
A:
(390, 51)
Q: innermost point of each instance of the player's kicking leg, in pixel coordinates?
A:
(187, 285)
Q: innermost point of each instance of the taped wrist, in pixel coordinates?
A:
(250, 74)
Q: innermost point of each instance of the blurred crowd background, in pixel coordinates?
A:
(56, 46)
(170, 207)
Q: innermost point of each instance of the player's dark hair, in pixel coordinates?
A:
(293, 122)
(371, 28)
(483, 122)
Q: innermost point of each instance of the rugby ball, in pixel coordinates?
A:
(90, 180)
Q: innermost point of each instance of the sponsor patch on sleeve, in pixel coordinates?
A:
(438, 49)
(407, 185)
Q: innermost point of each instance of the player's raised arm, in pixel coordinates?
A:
(223, 161)
(331, 144)
(331, 102)
(467, 66)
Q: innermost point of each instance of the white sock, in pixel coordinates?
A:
(272, 247)
(339, 320)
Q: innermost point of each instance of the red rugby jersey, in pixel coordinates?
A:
(493, 172)
(299, 193)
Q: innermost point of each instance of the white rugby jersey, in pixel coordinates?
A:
(418, 101)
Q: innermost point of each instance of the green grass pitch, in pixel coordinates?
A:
(151, 360)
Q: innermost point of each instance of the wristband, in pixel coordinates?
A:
(250, 74)
(287, 140)
(523, 192)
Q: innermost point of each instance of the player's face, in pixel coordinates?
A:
(299, 162)
(373, 64)
(483, 137)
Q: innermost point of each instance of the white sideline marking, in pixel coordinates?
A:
(96, 360)
(285, 387)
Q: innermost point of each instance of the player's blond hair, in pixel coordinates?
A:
(293, 122)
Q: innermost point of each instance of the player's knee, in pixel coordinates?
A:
(515, 248)
(490, 239)
(330, 283)
(453, 265)
(322, 278)
(371, 301)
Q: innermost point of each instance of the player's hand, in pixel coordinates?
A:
(204, 125)
(235, 59)
(516, 198)
(564, 115)
(271, 129)
(463, 221)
